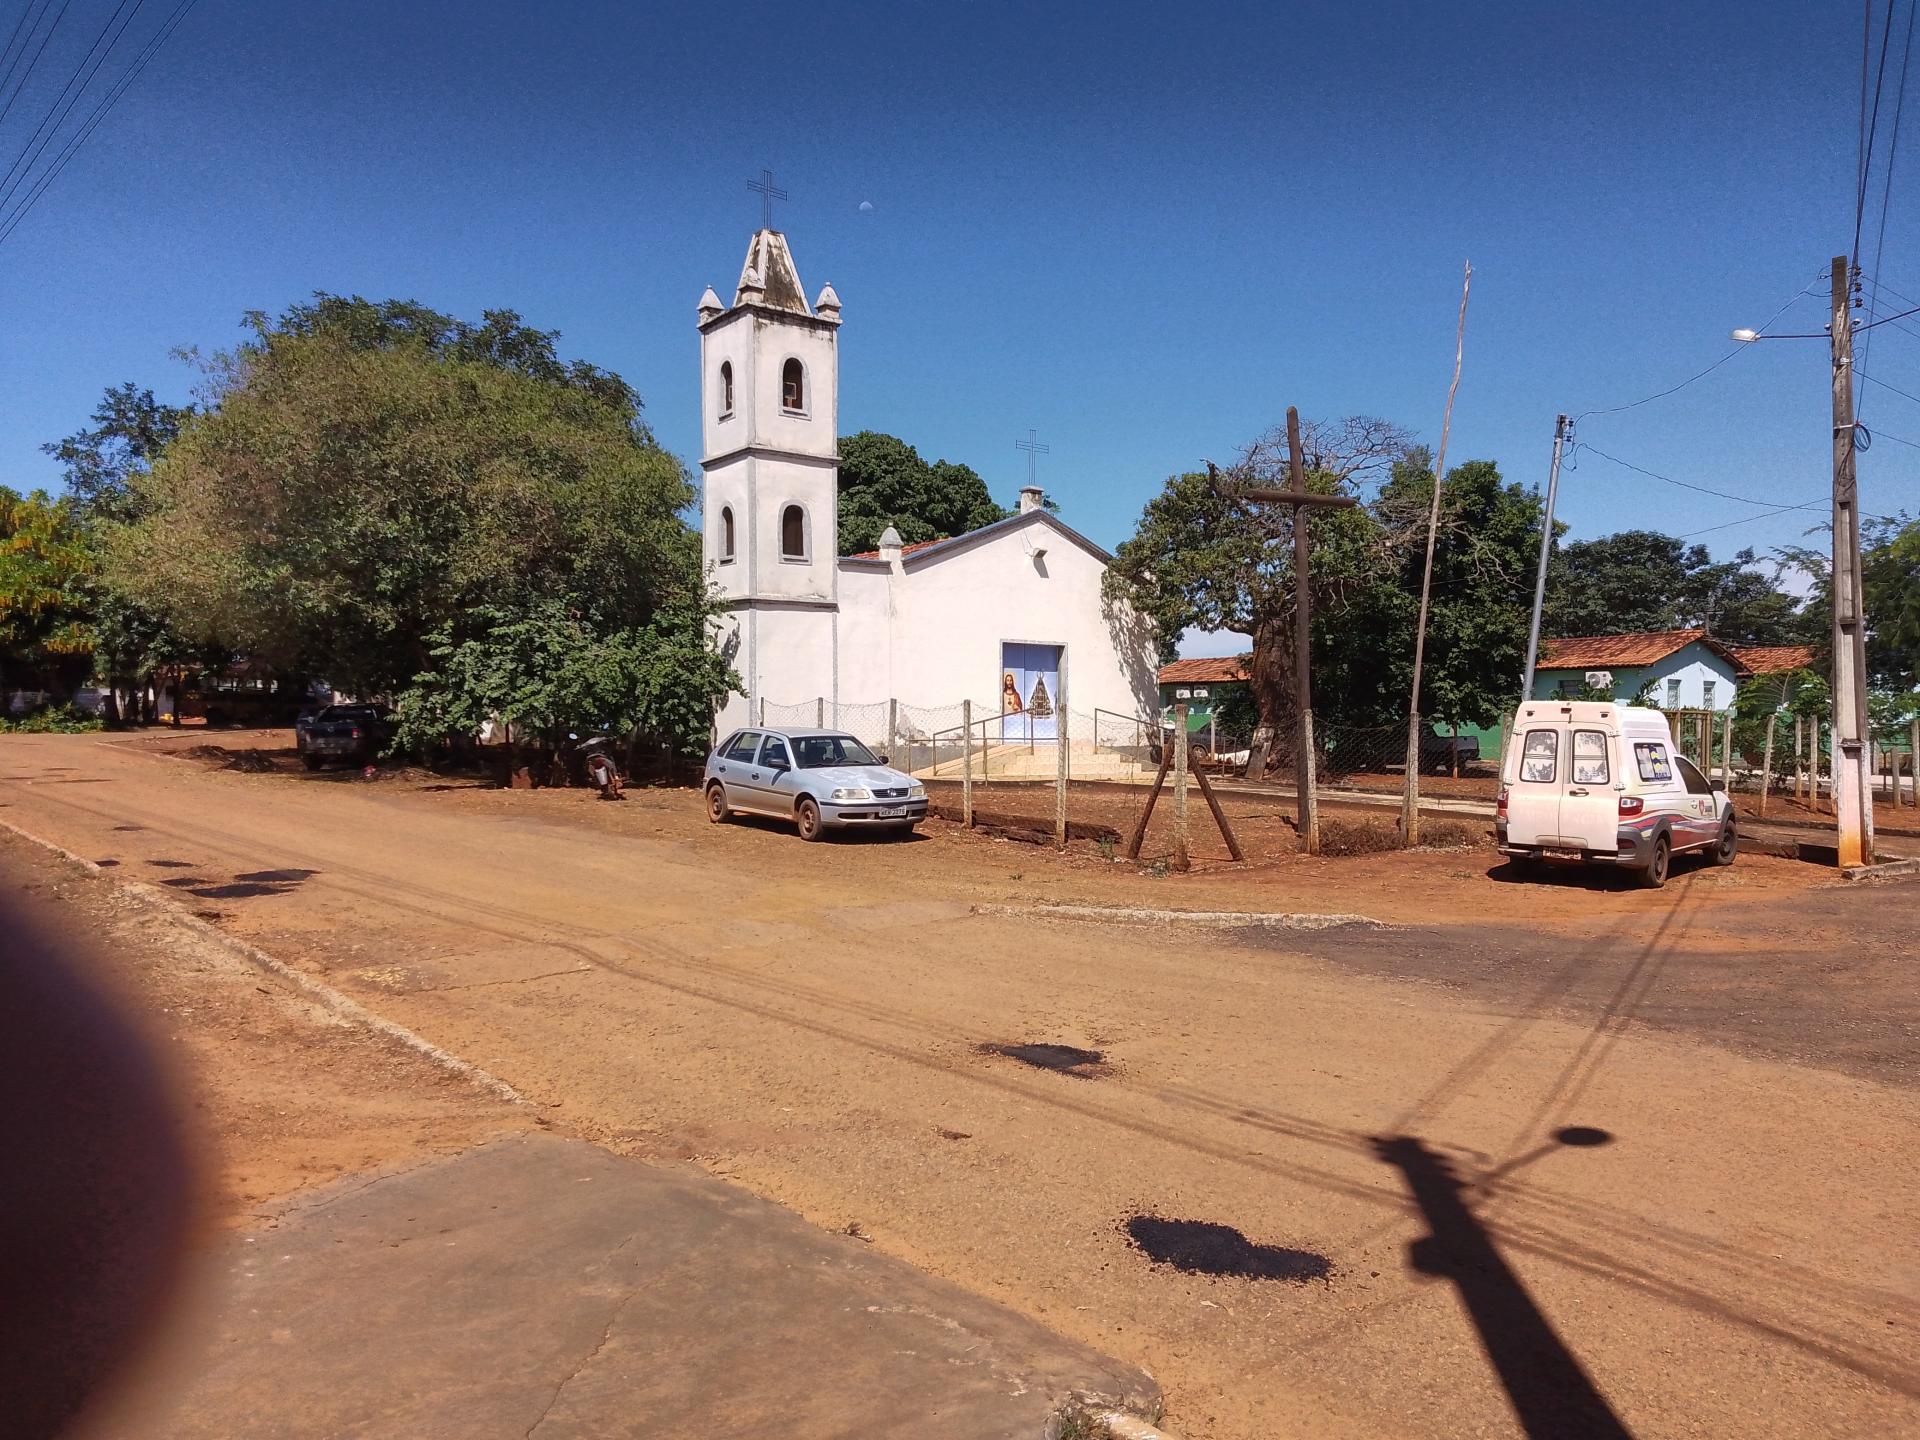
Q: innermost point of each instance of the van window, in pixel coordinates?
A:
(1539, 756)
(1695, 782)
(1590, 758)
(1652, 758)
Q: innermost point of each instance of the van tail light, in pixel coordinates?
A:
(356, 732)
(1500, 810)
(1631, 804)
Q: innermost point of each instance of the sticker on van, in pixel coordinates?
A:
(1653, 761)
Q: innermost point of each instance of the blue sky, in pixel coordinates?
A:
(1142, 230)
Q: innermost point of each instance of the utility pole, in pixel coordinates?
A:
(1302, 500)
(1852, 758)
(1410, 794)
(1562, 432)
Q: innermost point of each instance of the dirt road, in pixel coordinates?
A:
(1566, 1159)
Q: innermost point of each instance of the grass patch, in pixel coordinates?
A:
(1450, 835)
(52, 720)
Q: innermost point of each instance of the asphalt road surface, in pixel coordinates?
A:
(1561, 1159)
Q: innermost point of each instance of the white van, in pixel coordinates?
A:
(1602, 783)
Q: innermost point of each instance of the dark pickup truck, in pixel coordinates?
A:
(1439, 753)
(354, 733)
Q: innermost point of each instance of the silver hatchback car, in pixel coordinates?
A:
(819, 779)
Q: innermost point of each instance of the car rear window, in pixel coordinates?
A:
(1590, 758)
(1652, 760)
(1539, 756)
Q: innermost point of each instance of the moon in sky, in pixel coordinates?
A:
(866, 207)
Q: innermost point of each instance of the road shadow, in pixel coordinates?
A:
(834, 835)
(1550, 1391)
(241, 887)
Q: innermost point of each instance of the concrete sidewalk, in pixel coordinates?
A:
(545, 1287)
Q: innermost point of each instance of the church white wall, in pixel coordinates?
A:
(932, 636)
(815, 430)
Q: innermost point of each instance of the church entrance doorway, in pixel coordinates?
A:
(1029, 691)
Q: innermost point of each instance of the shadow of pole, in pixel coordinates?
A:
(1551, 1394)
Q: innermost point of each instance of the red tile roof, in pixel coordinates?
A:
(1773, 659)
(1596, 652)
(1212, 671)
(904, 549)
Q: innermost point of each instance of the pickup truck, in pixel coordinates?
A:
(1438, 752)
(354, 733)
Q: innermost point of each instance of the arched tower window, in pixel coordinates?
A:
(726, 535)
(793, 386)
(726, 392)
(793, 532)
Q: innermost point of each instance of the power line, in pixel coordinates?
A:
(10, 222)
(1745, 520)
(1873, 123)
(77, 83)
(1689, 485)
(1701, 375)
(1893, 155)
(1876, 380)
(27, 73)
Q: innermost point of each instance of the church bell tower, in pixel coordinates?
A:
(769, 394)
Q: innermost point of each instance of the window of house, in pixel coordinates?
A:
(793, 533)
(1199, 692)
(793, 386)
(726, 535)
(1183, 694)
(1590, 758)
(1655, 767)
(1673, 692)
(1539, 756)
(726, 388)
(1706, 694)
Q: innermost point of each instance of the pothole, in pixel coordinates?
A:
(1201, 1247)
(1061, 1059)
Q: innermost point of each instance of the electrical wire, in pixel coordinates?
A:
(7, 57)
(1903, 394)
(1797, 297)
(27, 73)
(11, 221)
(1886, 193)
(1689, 485)
(1746, 520)
(70, 93)
(1873, 123)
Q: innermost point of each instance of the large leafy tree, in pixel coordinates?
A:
(46, 574)
(371, 486)
(1890, 585)
(883, 481)
(1646, 580)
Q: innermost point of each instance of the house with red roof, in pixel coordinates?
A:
(1675, 669)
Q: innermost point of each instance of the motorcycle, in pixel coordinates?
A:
(602, 769)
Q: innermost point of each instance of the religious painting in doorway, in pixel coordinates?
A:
(1029, 691)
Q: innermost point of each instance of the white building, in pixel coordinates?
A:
(1009, 616)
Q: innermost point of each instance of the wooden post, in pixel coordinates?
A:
(1139, 835)
(1913, 758)
(893, 725)
(1219, 815)
(1766, 765)
(1182, 860)
(763, 709)
(966, 764)
(820, 712)
(1061, 767)
(1799, 756)
(1726, 749)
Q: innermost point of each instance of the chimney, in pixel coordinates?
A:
(890, 546)
(1032, 497)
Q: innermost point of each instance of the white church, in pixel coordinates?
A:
(1009, 616)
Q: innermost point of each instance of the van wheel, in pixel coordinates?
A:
(1525, 866)
(807, 816)
(1729, 846)
(717, 809)
(1655, 875)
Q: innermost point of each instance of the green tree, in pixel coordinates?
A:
(1890, 586)
(46, 576)
(883, 481)
(1645, 580)
(367, 482)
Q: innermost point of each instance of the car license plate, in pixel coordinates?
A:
(893, 812)
(1559, 852)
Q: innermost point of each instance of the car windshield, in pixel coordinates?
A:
(816, 752)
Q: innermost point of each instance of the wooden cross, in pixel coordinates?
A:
(1302, 500)
(768, 192)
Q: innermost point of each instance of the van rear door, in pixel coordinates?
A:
(1589, 808)
(1533, 796)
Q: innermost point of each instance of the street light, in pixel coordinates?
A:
(1746, 337)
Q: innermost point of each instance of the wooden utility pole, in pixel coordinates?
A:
(1060, 758)
(1766, 765)
(1852, 755)
(966, 763)
(1302, 500)
(1410, 793)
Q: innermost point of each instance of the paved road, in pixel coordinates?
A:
(1537, 1214)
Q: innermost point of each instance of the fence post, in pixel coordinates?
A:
(1060, 762)
(893, 725)
(1766, 765)
(820, 712)
(1726, 749)
(1913, 758)
(1181, 859)
(763, 709)
(966, 764)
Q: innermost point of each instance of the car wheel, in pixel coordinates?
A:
(1655, 875)
(807, 816)
(904, 832)
(1729, 846)
(717, 809)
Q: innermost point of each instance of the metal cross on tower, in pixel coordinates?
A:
(1034, 448)
(768, 192)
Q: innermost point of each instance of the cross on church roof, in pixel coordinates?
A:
(1034, 448)
(768, 192)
